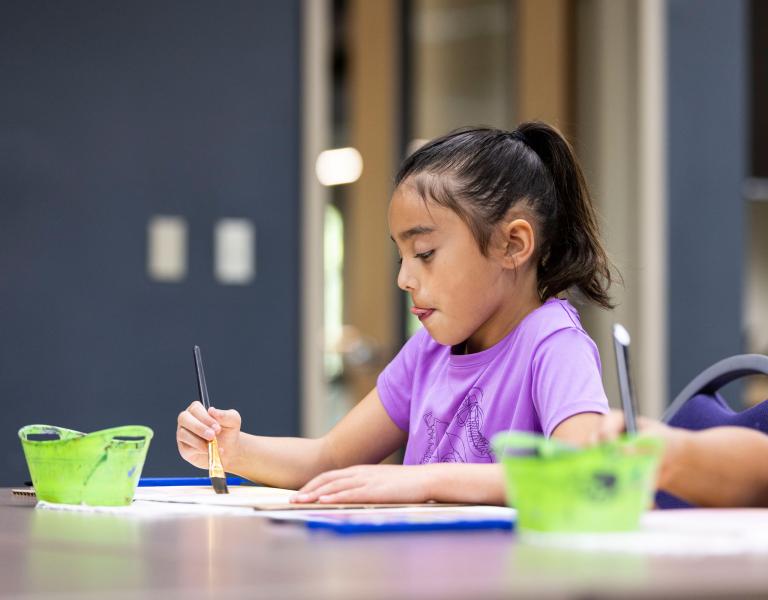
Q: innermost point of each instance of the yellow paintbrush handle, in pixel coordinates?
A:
(215, 468)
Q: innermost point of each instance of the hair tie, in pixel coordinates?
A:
(519, 136)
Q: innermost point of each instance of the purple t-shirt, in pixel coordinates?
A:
(545, 370)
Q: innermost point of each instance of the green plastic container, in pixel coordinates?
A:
(98, 469)
(557, 488)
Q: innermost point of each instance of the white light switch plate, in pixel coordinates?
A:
(234, 251)
(167, 248)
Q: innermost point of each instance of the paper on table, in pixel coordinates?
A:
(149, 509)
(686, 531)
(248, 496)
(439, 511)
(145, 509)
(255, 497)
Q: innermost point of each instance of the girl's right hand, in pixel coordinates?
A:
(612, 426)
(196, 428)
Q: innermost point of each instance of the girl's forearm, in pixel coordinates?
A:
(465, 483)
(366, 435)
(279, 462)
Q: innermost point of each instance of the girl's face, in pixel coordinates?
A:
(458, 293)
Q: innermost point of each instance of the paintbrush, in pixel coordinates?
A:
(621, 348)
(215, 469)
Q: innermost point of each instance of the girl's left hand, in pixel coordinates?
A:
(368, 483)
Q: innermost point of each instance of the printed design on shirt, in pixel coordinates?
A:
(470, 416)
(462, 439)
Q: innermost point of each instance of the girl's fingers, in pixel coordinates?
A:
(184, 436)
(187, 421)
(335, 486)
(227, 418)
(189, 448)
(197, 410)
(324, 478)
(195, 453)
(611, 426)
(315, 482)
(329, 489)
(191, 453)
(357, 494)
(310, 489)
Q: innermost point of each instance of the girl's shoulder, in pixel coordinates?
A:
(554, 315)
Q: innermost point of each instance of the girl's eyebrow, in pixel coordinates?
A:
(413, 231)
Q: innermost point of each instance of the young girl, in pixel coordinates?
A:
(491, 227)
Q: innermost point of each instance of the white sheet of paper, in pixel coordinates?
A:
(468, 512)
(151, 510)
(692, 532)
(239, 495)
(259, 498)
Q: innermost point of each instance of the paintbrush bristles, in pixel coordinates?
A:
(215, 469)
(219, 485)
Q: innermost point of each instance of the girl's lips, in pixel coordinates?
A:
(422, 313)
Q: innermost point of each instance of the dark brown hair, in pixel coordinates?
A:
(481, 173)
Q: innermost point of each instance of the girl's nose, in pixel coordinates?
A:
(405, 280)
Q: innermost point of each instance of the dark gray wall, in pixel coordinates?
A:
(111, 112)
(707, 42)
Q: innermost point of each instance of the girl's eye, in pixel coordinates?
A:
(425, 256)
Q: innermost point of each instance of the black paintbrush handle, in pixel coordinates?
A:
(215, 469)
(202, 388)
(621, 348)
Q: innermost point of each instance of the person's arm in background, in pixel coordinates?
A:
(717, 467)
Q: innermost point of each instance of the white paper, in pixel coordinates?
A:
(148, 509)
(439, 512)
(690, 532)
(239, 495)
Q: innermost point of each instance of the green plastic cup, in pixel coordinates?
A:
(559, 489)
(98, 469)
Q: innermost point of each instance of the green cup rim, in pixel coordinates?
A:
(122, 430)
(548, 448)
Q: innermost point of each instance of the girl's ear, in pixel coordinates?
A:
(519, 243)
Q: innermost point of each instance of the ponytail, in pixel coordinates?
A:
(573, 255)
(481, 173)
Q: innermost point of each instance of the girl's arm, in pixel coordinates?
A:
(471, 483)
(365, 435)
(578, 430)
(439, 482)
